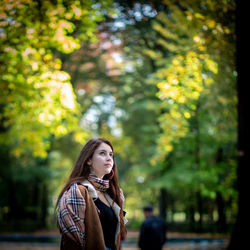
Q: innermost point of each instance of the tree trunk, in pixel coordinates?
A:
(240, 235)
(221, 213)
(163, 203)
(198, 197)
(221, 223)
(200, 211)
(44, 205)
(190, 218)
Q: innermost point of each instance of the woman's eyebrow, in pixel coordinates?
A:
(104, 150)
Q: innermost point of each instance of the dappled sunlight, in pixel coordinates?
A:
(158, 80)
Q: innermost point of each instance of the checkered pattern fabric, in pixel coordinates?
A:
(99, 184)
(71, 212)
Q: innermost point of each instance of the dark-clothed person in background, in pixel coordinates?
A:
(153, 231)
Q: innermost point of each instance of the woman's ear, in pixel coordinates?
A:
(89, 161)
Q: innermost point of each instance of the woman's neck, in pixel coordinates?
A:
(97, 175)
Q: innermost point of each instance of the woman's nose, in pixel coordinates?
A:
(109, 158)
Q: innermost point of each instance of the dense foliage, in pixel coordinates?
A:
(37, 101)
(157, 79)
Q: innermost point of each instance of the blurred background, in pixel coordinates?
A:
(156, 78)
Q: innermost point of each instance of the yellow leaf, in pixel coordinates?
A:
(211, 23)
(199, 16)
(187, 115)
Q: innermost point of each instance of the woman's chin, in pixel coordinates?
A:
(108, 171)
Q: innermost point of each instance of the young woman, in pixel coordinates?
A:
(90, 214)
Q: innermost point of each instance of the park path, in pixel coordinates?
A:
(12, 246)
(129, 244)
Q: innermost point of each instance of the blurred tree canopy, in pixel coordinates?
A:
(157, 78)
(34, 88)
(37, 100)
(176, 86)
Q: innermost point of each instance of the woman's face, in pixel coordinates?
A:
(102, 160)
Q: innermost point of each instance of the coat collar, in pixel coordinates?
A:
(94, 195)
(90, 188)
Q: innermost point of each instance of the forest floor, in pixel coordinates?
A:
(176, 241)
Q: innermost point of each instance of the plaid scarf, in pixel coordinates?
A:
(71, 213)
(99, 184)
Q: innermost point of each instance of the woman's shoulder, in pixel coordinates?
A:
(86, 186)
(77, 186)
(71, 197)
(82, 187)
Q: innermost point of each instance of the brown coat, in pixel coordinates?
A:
(94, 239)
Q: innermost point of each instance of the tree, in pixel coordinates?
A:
(37, 101)
(33, 86)
(195, 71)
(239, 237)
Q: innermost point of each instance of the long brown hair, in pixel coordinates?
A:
(81, 172)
